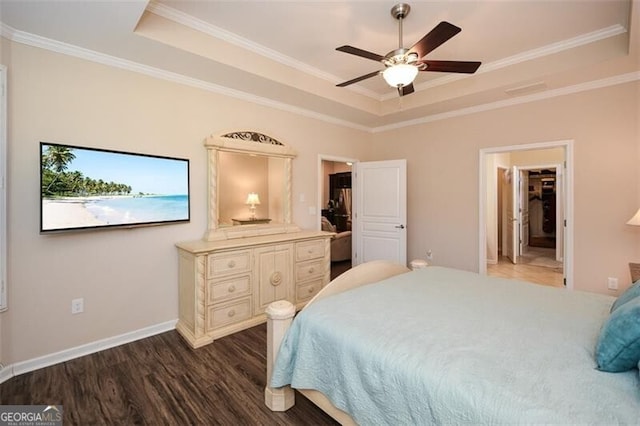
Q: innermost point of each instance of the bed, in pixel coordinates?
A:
(385, 345)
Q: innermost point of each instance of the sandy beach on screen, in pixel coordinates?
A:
(66, 213)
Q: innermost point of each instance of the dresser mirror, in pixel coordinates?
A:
(249, 186)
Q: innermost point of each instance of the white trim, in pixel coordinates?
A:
(86, 349)
(568, 213)
(79, 52)
(6, 373)
(528, 55)
(101, 58)
(232, 38)
(576, 88)
(3, 189)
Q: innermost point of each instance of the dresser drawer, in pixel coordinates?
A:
(307, 290)
(228, 289)
(232, 262)
(309, 270)
(228, 313)
(309, 250)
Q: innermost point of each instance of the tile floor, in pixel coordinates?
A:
(528, 268)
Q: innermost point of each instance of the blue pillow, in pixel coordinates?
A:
(618, 347)
(630, 293)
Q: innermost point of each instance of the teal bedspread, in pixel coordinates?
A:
(443, 346)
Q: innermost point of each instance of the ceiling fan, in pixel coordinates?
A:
(402, 65)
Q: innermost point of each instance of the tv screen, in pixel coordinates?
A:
(87, 188)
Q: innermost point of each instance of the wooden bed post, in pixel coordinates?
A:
(279, 317)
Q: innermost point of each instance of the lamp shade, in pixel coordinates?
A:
(400, 75)
(253, 199)
(635, 220)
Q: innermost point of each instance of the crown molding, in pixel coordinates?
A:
(229, 37)
(528, 55)
(101, 58)
(90, 55)
(582, 87)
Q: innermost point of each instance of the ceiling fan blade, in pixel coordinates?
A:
(465, 67)
(357, 79)
(359, 52)
(406, 90)
(441, 33)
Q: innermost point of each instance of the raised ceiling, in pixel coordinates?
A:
(283, 53)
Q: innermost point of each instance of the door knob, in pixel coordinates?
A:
(400, 226)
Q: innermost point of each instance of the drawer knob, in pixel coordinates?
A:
(310, 290)
(231, 264)
(232, 313)
(276, 279)
(310, 251)
(231, 288)
(311, 270)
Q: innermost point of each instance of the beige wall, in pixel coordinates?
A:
(126, 277)
(443, 168)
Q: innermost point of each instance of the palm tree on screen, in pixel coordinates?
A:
(57, 159)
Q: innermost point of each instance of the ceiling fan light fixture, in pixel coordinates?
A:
(400, 75)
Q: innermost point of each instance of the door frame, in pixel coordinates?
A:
(337, 159)
(567, 145)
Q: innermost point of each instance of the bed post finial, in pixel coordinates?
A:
(279, 317)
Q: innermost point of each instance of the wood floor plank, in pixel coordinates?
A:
(160, 380)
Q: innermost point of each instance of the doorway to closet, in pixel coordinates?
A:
(526, 193)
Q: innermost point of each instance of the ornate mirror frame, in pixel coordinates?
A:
(250, 143)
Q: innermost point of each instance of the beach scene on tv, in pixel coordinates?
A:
(85, 188)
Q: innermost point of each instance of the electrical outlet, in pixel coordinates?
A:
(429, 255)
(77, 306)
(612, 283)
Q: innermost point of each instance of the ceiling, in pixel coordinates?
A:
(283, 54)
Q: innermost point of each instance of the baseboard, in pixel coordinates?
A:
(6, 373)
(55, 358)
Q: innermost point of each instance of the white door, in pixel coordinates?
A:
(511, 189)
(523, 208)
(381, 211)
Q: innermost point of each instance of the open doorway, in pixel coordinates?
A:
(526, 205)
(336, 202)
(530, 237)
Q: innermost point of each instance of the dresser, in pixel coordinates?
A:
(225, 286)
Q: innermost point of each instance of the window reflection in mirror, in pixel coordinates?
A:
(241, 174)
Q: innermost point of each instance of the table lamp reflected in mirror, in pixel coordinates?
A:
(252, 201)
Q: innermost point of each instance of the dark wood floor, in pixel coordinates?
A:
(338, 268)
(162, 381)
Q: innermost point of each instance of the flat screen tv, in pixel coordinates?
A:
(87, 188)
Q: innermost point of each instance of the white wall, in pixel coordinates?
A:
(128, 278)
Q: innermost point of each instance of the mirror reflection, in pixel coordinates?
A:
(250, 189)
